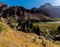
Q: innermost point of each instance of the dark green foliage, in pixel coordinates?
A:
(27, 26)
(58, 28)
(36, 30)
(53, 34)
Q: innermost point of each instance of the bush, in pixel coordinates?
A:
(58, 28)
(2, 27)
(36, 30)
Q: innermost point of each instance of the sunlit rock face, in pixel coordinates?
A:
(1, 4)
(2, 8)
(53, 11)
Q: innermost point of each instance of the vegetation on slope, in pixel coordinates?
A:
(12, 38)
(27, 36)
(2, 27)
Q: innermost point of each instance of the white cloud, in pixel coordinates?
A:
(57, 2)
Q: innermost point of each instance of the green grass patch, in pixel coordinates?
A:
(58, 43)
(2, 27)
(45, 25)
(56, 19)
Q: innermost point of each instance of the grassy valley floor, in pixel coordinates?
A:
(47, 25)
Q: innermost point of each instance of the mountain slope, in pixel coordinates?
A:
(35, 13)
(12, 38)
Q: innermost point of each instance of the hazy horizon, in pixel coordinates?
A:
(30, 3)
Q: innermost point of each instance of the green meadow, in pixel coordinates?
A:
(46, 25)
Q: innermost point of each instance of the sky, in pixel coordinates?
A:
(30, 3)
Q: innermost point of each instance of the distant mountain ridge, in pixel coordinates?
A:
(15, 12)
(53, 11)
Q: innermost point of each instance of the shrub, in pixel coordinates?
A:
(2, 26)
(58, 28)
(36, 30)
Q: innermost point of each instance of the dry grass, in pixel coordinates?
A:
(12, 38)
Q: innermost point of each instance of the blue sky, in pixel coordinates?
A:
(30, 3)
